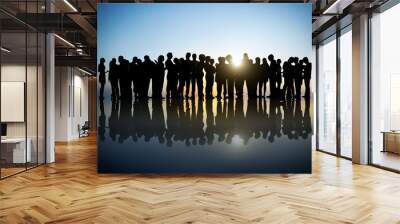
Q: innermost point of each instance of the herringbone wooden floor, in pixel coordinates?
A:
(71, 191)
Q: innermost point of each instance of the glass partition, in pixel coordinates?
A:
(385, 89)
(346, 92)
(326, 102)
(14, 153)
(22, 95)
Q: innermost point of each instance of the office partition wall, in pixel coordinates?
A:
(345, 66)
(326, 90)
(334, 94)
(385, 89)
(22, 80)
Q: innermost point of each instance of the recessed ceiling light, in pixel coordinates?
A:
(5, 50)
(70, 5)
(64, 40)
(84, 71)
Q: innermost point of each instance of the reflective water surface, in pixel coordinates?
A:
(204, 136)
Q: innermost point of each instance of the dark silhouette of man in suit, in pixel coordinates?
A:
(230, 76)
(194, 65)
(287, 75)
(139, 86)
(298, 76)
(171, 75)
(187, 73)
(158, 77)
(200, 75)
(241, 75)
(113, 78)
(181, 77)
(210, 70)
(133, 72)
(272, 75)
(259, 77)
(264, 80)
(278, 77)
(124, 78)
(307, 76)
(148, 69)
(220, 77)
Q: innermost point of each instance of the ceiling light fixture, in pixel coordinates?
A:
(84, 71)
(5, 50)
(64, 40)
(337, 7)
(70, 5)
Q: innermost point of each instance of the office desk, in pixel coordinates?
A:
(15, 148)
(391, 141)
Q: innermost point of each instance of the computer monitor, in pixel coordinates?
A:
(3, 129)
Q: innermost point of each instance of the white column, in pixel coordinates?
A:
(50, 99)
(360, 90)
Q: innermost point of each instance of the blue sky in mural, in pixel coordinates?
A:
(213, 29)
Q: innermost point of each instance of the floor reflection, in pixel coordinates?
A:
(204, 136)
(204, 122)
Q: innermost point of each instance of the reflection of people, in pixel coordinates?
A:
(102, 121)
(184, 120)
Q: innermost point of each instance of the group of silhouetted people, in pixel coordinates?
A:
(202, 123)
(185, 75)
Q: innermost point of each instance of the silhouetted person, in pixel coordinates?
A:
(187, 73)
(288, 90)
(102, 76)
(175, 77)
(158, 77)
(278, 77)
(200, 75)
(210, 71)
(230, 76)
(251, 79)
(193, 74)
(172, 75)
(298, 76)
(113, 78)
(220, 77)
(272, 75)
(241, 75)
(307, 76)
(124, 78)
(181, 77)
(259, 76)
(148, 68)
(139, 79)
(264, 80)
(133, 72)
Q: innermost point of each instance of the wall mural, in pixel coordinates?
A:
(204, 88)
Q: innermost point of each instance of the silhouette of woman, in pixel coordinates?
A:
(102, 76)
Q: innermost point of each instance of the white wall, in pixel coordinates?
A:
(71, 102)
